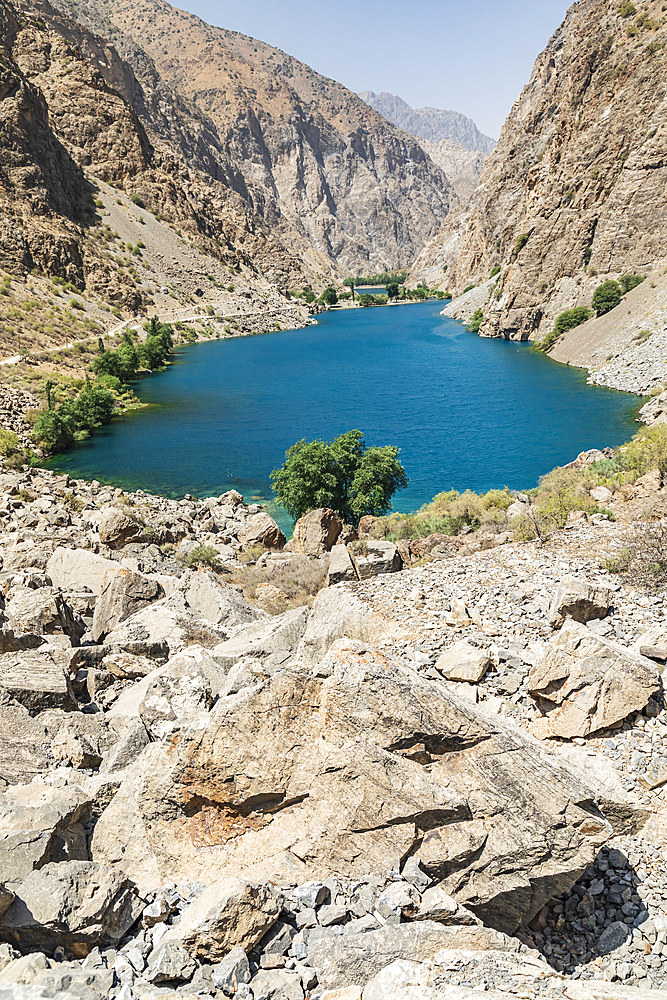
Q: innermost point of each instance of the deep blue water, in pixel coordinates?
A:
(465, 412)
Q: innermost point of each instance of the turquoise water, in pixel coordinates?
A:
(465, 411)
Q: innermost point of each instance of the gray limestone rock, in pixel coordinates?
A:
(217, 601)
(585, 682)
(341, 567)
(123, 593)
(170, 623)
(36, 681)
(73, 904)
(232, 971)
(74, 569)
(463, 662)
(273, 642)
(357, 958)
(580, 600)
(169, 961)
(373, 558)
(43, 612)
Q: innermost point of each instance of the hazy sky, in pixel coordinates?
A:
(472, 57)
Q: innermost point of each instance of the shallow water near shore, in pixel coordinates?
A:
(466, 412)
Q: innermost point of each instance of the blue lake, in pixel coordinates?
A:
(465, 412)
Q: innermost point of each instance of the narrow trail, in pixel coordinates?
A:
(182, 316)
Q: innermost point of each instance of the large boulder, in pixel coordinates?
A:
(43, 612)
(36, 681)
(580, 600)
(77, 569)
(230, 913)
(274, 641)
(117, 529)
(299, 776)
(178, 692)
(75, 904)
(167, 626)
(336, 613)
(585, 682)
(261, 529)
(41, 824)
(24, 746)
(123, 594)
(217, 602)
(341, 567)
(357, 958)
(316, 532)
(373, 558)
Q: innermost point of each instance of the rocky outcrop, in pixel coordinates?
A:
(572, 192)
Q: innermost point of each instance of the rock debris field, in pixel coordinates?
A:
(428, 782)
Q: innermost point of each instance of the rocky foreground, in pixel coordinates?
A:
(435, 780)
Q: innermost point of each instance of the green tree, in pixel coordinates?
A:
(342, 474)
(570, 318)
(392, 290)
(606, 297)
(51, 432)
(476, 321)
(350, 283)
(329, 297)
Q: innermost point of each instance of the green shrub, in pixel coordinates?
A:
(627, 9)
(476, 321)
(51, 432)
(630, 281)
(136, 200)
(9, 443)
(203, 555)
(494, 271)
(468, 288)
(75, 304)
(570, 318)
(606, 297)
(520, 243)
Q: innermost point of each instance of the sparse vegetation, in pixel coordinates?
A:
(476, 321)
(203, 555)
(520, 243)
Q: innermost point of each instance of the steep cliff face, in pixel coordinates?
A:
(67, 129)
(574, 191)
(336, 183)
(452, 141)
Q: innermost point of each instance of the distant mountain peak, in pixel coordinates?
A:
(433, 124)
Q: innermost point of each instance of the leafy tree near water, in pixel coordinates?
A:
(341, 474)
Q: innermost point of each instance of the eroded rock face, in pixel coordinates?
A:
(348, 773)
(585, 682)
(554, 196)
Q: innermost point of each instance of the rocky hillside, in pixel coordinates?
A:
(573, 193)
(337, 184)
(452, 141)
(430, 783)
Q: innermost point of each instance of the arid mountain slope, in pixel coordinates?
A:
(574, 191)
(432, 124)
(336, 183)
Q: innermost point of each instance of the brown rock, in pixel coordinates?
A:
(116, 529)
(316, 532)
(261, 529)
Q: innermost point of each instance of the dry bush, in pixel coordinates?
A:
(644, 558)
(299, 580)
